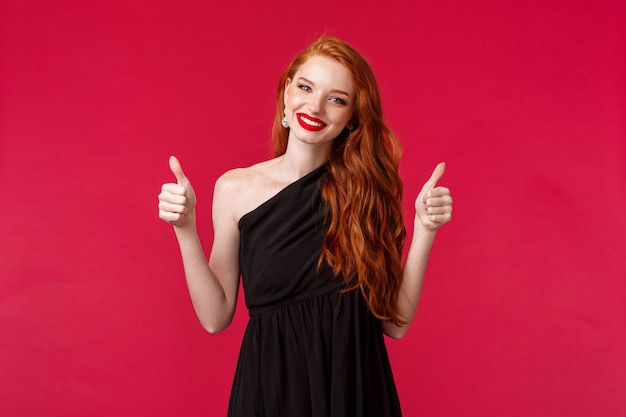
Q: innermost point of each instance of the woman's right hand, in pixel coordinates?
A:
(177, 202)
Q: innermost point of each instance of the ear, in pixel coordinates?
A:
(285, 92)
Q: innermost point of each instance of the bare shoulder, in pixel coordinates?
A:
(241, 190)
(240, 180)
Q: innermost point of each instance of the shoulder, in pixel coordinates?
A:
(240, 190)
(232, 180)
(238, 179)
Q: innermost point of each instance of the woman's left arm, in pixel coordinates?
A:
(433, 209)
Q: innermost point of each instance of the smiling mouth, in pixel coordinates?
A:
(310, 123)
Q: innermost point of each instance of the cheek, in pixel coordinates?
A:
(343, 116)
(349, 115)
(291, 101)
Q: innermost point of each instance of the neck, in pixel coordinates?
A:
(300, 158)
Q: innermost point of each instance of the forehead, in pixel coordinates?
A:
(324, 71)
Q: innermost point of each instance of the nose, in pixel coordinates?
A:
(316, 104)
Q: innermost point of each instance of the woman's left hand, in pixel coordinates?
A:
(433, 205)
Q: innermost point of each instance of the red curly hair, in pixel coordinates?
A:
(362, 191)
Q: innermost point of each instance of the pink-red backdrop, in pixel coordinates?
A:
(524, 308)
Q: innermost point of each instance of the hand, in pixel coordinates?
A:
(433, 206)
(177, 202)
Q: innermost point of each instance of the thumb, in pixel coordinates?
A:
(177, 169)
(440, 169)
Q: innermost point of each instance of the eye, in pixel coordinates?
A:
(304, 87)
(338, 100)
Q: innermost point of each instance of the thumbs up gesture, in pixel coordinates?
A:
(177, 201)
(433, 206)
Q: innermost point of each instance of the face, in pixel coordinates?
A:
(318, 101)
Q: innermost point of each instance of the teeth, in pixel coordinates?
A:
(310, 122)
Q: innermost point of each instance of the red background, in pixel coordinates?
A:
(524, 307)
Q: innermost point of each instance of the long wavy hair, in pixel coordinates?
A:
(362, 192)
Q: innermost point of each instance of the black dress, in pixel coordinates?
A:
(310, 349)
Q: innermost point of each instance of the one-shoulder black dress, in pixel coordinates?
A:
(310, 349)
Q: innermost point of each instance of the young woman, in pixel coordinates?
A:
(316, 236)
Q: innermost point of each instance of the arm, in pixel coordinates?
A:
(433, 209)
(212, 284)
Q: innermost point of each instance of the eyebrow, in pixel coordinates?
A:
(332, 91)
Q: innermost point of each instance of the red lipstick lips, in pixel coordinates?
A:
(310, 123)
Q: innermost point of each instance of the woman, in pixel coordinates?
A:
(316, 235)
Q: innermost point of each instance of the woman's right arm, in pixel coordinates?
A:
(212, 284)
